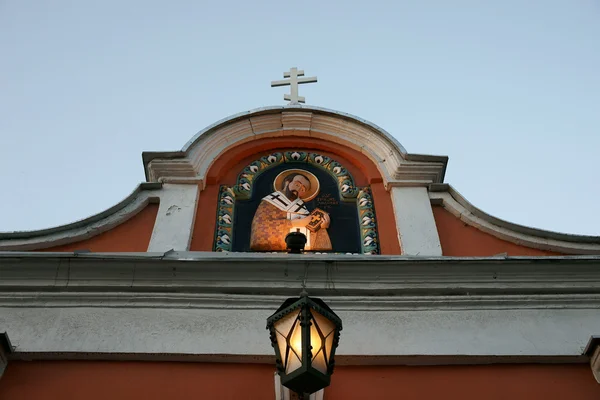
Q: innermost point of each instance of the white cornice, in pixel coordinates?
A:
(456, 204)
(281, 275)
(396, 166)
(40, 239)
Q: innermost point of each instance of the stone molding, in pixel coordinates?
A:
(456, 204)
(395, 164)
(37, 298)
(326, 275)
(144, 194)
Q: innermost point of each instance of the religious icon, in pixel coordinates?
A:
(284, 211)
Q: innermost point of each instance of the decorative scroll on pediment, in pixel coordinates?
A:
(257, 213)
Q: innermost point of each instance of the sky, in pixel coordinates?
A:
(509, 90)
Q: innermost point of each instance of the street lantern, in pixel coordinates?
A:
(304, 333)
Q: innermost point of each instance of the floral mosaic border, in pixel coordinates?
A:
(225, 217)
(369, 238)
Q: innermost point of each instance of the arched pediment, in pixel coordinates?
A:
(397, 167)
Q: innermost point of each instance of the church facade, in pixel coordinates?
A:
(166, 294)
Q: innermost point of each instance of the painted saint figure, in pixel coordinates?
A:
(284, 211)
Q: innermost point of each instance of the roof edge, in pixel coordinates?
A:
(446, 195)
(85, 221)
(543, 233)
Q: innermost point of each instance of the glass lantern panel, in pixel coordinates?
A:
(293, 363)
(316, 342)
(284, 325)
(329, 345)
(282, 345)
(295, 353)
(325, 325)
(319, 363)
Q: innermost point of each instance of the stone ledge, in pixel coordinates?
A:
(341, 360)
(156, 300)
(282, 274)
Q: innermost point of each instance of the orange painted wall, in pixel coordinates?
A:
(106, 380)
(132, 235)
(460, 239)
(100, 380)
(227, 167)
(481, 382)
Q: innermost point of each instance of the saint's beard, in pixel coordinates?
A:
(291, 194)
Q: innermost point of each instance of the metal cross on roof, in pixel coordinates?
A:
(293, 82)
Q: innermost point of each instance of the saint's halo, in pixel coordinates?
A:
(314, 182)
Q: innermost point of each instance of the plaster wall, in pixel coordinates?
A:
(371, 333)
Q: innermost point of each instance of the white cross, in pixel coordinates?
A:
(293, 82)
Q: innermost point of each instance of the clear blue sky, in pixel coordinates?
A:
(509, 90)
